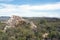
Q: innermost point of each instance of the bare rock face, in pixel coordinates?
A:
(16, 20)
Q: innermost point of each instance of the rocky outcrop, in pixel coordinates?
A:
(45, 35)
(16, 20)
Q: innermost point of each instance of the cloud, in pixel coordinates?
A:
(30, 10)
(46, 7)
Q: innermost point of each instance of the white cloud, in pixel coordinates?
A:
(26, 10)
(46, 7)
(43, 7)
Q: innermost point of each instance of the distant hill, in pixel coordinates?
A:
(4, 18)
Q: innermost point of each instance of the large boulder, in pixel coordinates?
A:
(14, 21)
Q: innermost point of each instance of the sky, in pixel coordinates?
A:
(30, 8)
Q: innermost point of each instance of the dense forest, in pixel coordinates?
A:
(50, 27)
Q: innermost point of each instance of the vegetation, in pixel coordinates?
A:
(51, 26)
